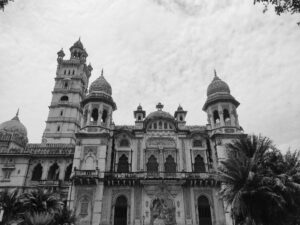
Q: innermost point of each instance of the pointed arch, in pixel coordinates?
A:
(68, 172)
(216, 116)
(204, 213)
(199, 165)
(170, 165)
(53, 173)
(123, 165)
(152, 165)
(37, 172)
(120, 212)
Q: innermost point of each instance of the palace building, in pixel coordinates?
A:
(155, 171)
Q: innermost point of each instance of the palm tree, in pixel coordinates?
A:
(9, 200)
(252, 186)
(41, 200)
(38, 218)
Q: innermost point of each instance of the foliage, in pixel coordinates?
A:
(11, 205)
(282, 6)
(42, 200)
(3, 3)
(38, 218)
(37, 207)
(261, 185)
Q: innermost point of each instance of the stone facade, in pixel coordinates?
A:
(157, 171)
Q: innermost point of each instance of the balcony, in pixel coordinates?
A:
(49, 183)
(138, 178)
(86, 177)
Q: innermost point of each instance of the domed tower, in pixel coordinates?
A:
(71, 82)
(14, 132)
(98, 106)
(221, 106)
(93, 148)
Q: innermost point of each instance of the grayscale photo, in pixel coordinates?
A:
(150, 112)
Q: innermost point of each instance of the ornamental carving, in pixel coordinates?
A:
(161, 143)
(90, 150)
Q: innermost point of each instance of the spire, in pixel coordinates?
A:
(17, 114)
(102, 72)
(215, 72)
(16, 117)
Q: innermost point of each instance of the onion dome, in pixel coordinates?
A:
(159, 114)
(218, 91)
(101, 85)
(77, 44)
(217, 86)
(15, 127)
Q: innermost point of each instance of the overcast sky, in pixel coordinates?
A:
(157, 50)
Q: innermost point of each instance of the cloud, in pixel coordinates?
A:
(157, 50)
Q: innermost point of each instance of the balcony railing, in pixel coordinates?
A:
(54, 183)
(82, 177)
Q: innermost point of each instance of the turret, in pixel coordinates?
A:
(221, 106)
(98, 106)
(180, 115)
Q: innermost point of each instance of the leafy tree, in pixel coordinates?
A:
(9, 200)
(259, 183)
(3, 3)
(282, 6)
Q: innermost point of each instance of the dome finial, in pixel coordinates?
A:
(159, 106)
(215, 72)
(102, 72)
(17, 114)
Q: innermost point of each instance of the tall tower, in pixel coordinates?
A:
(92, 152)
(71, 82)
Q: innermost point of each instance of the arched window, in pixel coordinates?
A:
(66, 84)
(152, 165)
(216, 116)
(226, 115)
(120, 215)
(37, 172)
(104, 116)
(58, 128)
(69, 72)
(170, 165)
(84, 207)
(53, 173)
(123, 165)
(181, 118)
(154, 126)
(124, 143)
(197, 143)
(68, 172)
(199, 166)
(139, 118)
(65, 72)
(165, 125)
(73, 72)
(61, 112)
(64, 98)
(160, 125)
(95, 115)
(204, 211)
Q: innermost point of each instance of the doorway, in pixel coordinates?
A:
(120, 217)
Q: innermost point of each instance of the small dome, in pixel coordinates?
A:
(160, 115)
(14, 126)
(101, 85)
(217, 86)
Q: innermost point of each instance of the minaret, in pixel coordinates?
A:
(71, 82)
